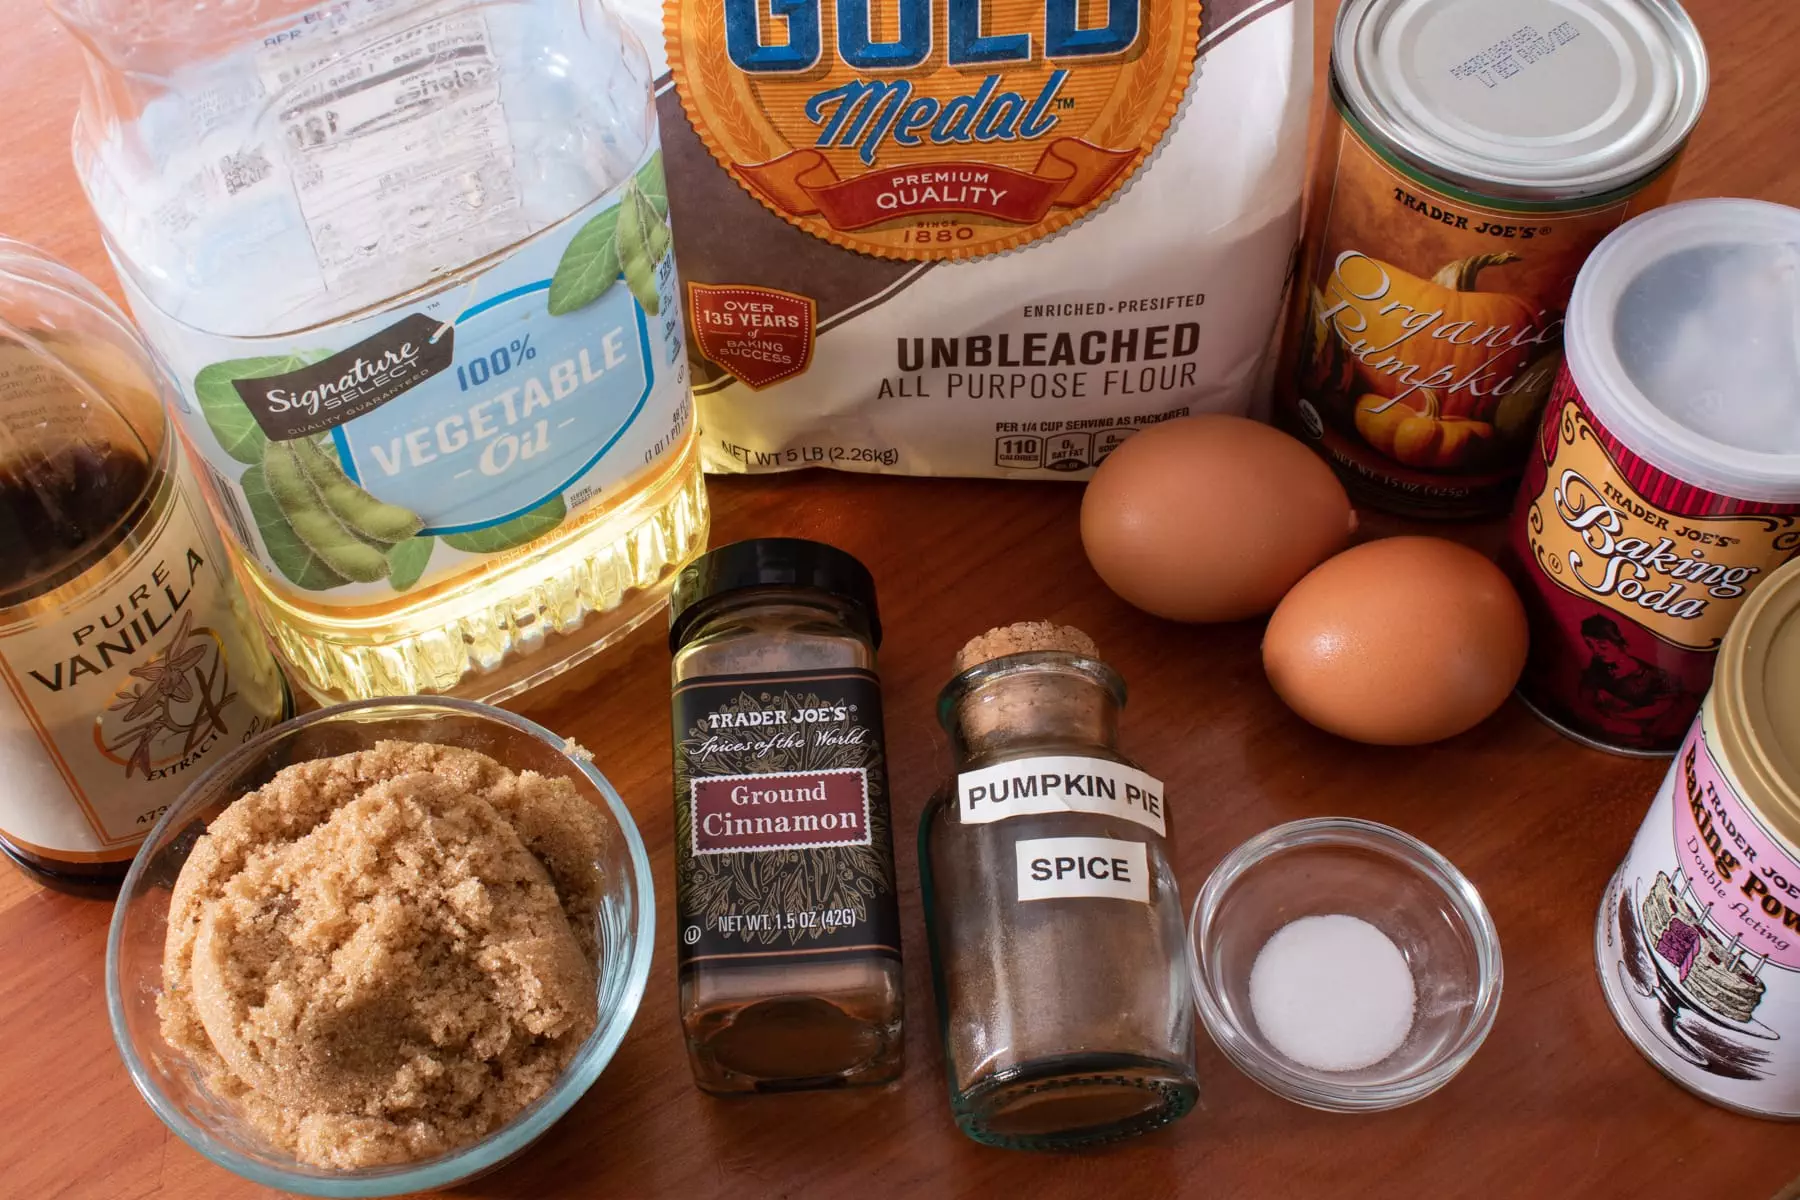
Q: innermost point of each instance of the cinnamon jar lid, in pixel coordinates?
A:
(770, 564)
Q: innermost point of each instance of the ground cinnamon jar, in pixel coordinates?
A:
(788, 933)
(1055, 923)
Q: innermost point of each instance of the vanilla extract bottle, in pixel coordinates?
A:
(788, 931)
(126, 660)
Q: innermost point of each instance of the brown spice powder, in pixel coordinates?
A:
(384, 956)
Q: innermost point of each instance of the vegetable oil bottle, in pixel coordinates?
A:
(409, 262)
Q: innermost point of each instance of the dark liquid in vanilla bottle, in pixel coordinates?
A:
(60, 509)
(60, 513)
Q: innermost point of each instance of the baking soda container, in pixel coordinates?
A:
(1699, 935)
(409, 263)
(1474, 154)
(1665, 482)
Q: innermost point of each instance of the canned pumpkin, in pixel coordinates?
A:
(1468, 167)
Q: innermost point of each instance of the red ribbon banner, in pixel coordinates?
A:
(1070, 174)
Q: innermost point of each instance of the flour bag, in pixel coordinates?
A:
(975, 237)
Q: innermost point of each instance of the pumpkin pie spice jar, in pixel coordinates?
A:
(1698, 939)
(1473, 155)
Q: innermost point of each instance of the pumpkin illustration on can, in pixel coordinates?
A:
(1438, 333)
(1418, 433)
(1453, 207)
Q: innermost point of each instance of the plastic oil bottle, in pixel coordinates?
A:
(410, 265)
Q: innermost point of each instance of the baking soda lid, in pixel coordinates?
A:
(1545, 100)
(1684, 339)
(1756, 701)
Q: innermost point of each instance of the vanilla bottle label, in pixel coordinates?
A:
(784, 843)
(111, 704)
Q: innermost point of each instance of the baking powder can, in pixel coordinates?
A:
(1698, 939)
(1473, 155)
(1665, 483)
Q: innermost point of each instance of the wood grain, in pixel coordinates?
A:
(1556, 1104)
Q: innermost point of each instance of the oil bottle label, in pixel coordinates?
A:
(955, 131)
(109, 707)
(1057, 784)
(1630, 577)
(364, 459)
(784, 842)
(1699, 940)
(1427, 324)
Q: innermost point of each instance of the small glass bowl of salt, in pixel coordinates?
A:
(1344, 965)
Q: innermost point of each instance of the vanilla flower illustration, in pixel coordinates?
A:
(174, 677)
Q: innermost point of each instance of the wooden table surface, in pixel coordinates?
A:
(1556, 1104)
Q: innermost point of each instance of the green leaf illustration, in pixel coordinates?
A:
(406, 562)
(643, 240)
(654, 184)
(526, 527)
(589, 265)
(230, 421)
(291, 556)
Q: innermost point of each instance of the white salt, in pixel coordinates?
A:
(1333, 993)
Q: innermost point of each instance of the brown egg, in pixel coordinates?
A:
(1211, 518)
(1398, 642)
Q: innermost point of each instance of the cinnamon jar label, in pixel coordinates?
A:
(1427, 327)
(925, 131)
(1631, 578)
(788, 810)
(784, 841)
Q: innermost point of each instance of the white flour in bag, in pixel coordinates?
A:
(987, 237)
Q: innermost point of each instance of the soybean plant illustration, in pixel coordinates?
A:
(321, 529)
(628, 239)
(349, 530)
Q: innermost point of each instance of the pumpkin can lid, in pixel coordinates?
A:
(1756, 701)
(1532, 100)
(1683, 337)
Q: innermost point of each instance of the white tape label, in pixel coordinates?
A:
(1060, 783)
(1064, 868)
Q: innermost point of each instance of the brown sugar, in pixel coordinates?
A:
(1024, 637)
(384, 956)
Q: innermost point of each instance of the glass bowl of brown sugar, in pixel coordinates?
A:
(382, 948)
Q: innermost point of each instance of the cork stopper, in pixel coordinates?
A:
(1024, 637)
